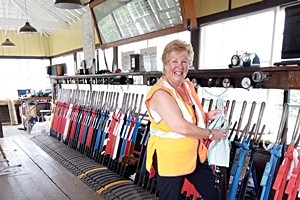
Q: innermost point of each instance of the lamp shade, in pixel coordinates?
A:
(27, 28)
(7, 43)
(69, 4)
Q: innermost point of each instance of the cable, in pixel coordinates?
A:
(215, 95)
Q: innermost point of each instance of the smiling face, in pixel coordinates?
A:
(177, 67)
(177, 57)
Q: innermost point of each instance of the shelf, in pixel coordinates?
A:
(276, 77)
(148, 78)
(287, 77)
(26, 99)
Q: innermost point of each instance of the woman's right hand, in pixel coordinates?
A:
(218, 134)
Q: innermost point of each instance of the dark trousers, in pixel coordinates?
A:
(203, 179)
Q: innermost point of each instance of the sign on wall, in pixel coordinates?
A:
(149, 58)
(88, 39)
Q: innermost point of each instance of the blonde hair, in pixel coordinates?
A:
(178, 46)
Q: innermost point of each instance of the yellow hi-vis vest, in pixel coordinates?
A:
(176, 154)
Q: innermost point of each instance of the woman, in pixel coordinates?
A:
(175, 148)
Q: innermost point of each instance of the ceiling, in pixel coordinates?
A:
(41, 14)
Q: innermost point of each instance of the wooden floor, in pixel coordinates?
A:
(39, 177)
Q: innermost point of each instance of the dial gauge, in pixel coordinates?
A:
(259, 76)
(195, 82)
(246, 82)
(218, 82)
(226, 83)
(210, 82)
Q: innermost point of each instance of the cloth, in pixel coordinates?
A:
(219, 151)
(293, 163)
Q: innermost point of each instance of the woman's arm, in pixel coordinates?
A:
(163, 103)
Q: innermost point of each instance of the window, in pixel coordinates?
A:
(252, 33)
(259, 33)
(118, 21)
(69, 60)
(27, 74)
(159, 43)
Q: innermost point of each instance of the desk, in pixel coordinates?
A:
(32, 106)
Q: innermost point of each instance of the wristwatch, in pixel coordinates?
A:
(210, 135)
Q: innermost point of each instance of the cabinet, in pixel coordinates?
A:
(7, 115)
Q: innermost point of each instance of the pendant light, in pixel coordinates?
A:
(7, 43)
(27, 28)
(69, 4)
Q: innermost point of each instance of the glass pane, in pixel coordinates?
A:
(108, 29)
(117, 21)
(170, 18)
(159, 43)
(69, 61)
(27, 74)
(219, 41)
(293, 111)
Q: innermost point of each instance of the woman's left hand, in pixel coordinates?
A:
(211, 115)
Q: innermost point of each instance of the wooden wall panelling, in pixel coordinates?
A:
(209, 7)
(206, 17)
(241, 3)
